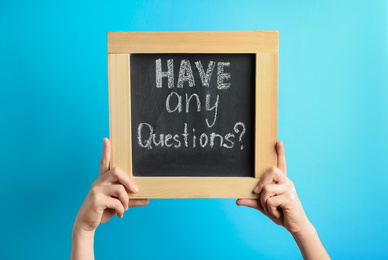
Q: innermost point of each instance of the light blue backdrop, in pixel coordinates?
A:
(333, 118)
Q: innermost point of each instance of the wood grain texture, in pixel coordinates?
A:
(119, 111)
(194, 187)
(266, 112)
(193, 42)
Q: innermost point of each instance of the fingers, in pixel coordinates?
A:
(117, 175)
(114, 197)
(252, 203)
(274, 174)
(269, 191)
(138, 202)
(117, 191)
(273, 203)
(105, 158)
(267, 204)
(281, 157)
(115, 204)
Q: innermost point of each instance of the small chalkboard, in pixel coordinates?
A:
(193, 114)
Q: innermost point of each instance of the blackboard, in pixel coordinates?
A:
(149, 72)
(193, 114)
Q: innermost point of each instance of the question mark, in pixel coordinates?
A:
(237, 131)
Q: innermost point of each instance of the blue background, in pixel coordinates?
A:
(333, 118)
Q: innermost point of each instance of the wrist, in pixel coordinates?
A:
(307, 231)
(309, 243)
(81, 233)
(82, 244)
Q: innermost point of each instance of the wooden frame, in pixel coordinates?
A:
(262, 43)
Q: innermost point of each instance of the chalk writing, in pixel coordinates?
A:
(174, 103)
(193, 114)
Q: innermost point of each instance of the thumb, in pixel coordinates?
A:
(105, 158)
(252, 203)
(281, 157)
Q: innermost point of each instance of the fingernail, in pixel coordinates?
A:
(135, 188)
(256, 190)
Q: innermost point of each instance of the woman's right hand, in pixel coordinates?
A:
(108, 195)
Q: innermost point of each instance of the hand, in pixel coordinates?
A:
(277, 197)
(108, 195)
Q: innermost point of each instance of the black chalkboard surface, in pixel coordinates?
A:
(193, 114)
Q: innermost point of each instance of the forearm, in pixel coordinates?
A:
(309, 244)
(82, 247)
